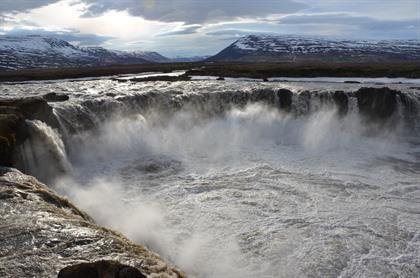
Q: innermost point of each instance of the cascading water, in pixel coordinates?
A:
(246, 180)
(43, 154)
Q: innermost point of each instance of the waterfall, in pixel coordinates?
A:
(396, 107)
(43, 154)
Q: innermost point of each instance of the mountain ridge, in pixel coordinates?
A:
(33, 51)
(282, 48)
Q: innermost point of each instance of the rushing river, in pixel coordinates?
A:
(225, 184)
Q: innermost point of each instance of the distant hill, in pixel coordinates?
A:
(264, 48)
(25, 52)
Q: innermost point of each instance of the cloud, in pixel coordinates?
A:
(185, 30)
(193, 11)
(22, 5)
(362, 23)
(235, 34)
(198, 27)
(379, 9)
(72, 36)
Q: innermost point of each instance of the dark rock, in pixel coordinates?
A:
(80, 270)
(221, 78)
(54, 97)
(352, 82)
(100, 269)
(377, 103)
(264, 95)
(341, 100)
(285, 99)
(265, 79)
(130, 272)
(12, 132)
(13, 129)
(33, 108)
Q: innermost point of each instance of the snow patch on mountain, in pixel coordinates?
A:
(22, 52)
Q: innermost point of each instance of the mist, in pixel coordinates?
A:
(159, 180)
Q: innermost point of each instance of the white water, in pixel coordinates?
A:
(43, 154)
(255, 193)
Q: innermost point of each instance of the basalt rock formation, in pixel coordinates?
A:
(285, 99)
(13, 129)
(43, 234)
(377, 103)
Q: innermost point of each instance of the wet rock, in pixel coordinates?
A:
(100, 269)
(221, 78)
(352, 82)
(285, 99)
(43, 234)
(32, 108)
(265, 95)
(54, 97)
(377, 103)
(12, 132)
(341, 100)
(13, 129)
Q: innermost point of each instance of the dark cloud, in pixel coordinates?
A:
(70, 36)
(194, 11)
(22, 5)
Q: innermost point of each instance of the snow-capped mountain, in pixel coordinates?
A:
(23, 52)
(264, 48)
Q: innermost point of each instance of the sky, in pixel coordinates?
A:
(204, 27)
